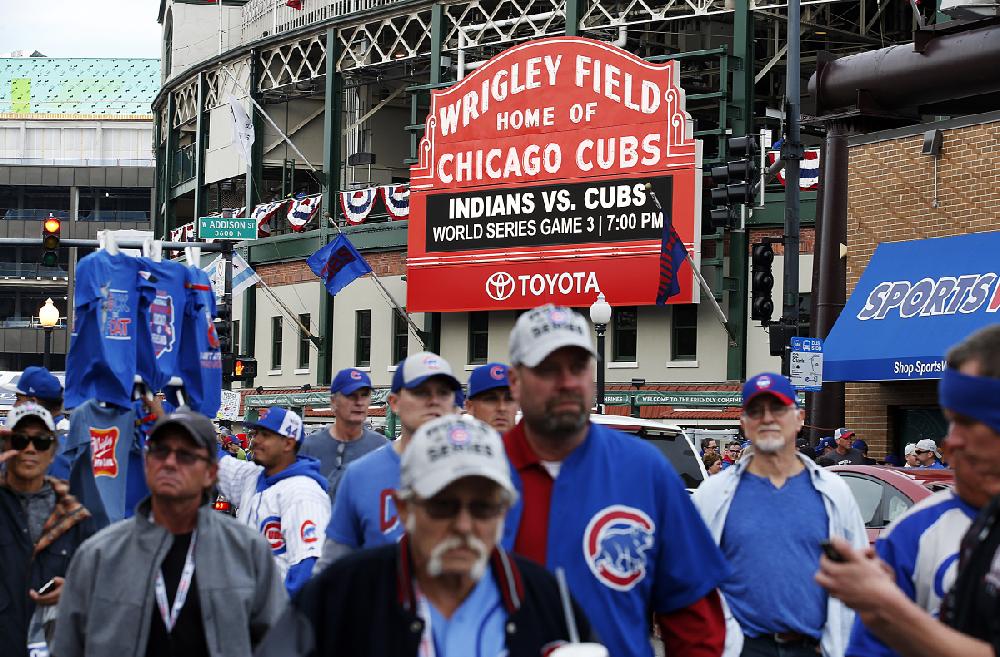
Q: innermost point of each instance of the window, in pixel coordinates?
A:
(236, 336)
(479, 335)
(868, 495)
(304, 342)
(400, 337)
(363, 339)
(625, 323)
(684, 332)
(276, 343)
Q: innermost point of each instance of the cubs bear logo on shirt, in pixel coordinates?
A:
(308, 532)
(161, 323)
(270, 528)
(615, 544)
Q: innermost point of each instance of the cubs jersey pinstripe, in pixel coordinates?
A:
(922, 547)
(624, 529)
(290, 509)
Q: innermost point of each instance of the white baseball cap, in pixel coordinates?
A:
(449, 448)
(417, 368)
(29, 409)
(927, 445)
(909, 449)
(544, 329)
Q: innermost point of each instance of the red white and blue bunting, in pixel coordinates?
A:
(397, 201)
(263, 214)
(357, 204)
(808, 167)
(302, 210)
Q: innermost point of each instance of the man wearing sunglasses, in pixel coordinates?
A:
(347, 439)
(364, 514)
(282, 494)
(769, 513)
(177, 578)
(446, 588)
(44, 526)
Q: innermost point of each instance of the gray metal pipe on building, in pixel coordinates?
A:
(952, 65)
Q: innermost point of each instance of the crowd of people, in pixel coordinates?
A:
(476, 533)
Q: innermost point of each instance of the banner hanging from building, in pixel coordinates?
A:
(530, 185)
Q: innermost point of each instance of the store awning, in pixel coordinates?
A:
(914, 301)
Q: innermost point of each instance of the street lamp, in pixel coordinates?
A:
(600, 315)
(48, 317)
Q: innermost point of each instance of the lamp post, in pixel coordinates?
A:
(600, 315)
(48, 317)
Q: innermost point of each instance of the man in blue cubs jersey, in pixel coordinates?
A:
(109, 303)
(157, 355)
(364, 515)
(282, 494)
(604, 506)
(199, 358)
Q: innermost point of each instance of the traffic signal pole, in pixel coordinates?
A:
(791, 154)
(227, 372)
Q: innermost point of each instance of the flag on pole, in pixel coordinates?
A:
(672, 256)
(338, 264)
(243, 134)
(243, 275)
(294, 4)
(808, 166)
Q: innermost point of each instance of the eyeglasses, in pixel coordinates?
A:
(757, 412)
(340, 454)
(446, 509)
(161, 453)
(20, 441)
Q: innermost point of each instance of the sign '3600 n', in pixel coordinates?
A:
(530, 185)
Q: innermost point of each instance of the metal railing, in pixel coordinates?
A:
(30, 270)
(32, 214)
(264, 18)
(38, 214)
(184, 160)
(27, 322)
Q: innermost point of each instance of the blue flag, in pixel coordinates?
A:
(672, 256)
(338, 264)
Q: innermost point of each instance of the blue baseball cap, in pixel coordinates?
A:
(488, 377)
(281, 421)
(37, 382)
(824, 443)
(348, 380)
(769, 383)
(414, 370)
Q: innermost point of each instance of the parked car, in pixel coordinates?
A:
(668, 438)
(883, 493)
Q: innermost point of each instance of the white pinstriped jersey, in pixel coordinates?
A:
(290, 509)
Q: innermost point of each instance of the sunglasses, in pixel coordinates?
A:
(757, 412)
(20, 441)
(446, 509)
(921, 451)
(161, 453)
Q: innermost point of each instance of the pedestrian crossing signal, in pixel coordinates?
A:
(244, 369)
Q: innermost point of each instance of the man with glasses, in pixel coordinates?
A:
(927, 454)
(177, 578)
(43, 525)
(711, 446)
(282, 494)
(347, 439)
(489, 397)
(446, 589)
(364, 514)
(769, 513)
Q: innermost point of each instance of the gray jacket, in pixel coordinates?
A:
(107, 602)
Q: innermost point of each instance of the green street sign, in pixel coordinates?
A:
(616, 398)
(660, 398)
(221, 228)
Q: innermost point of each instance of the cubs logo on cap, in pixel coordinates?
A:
(414, 370)
(349, 380)
(769, 383)
(488, 377)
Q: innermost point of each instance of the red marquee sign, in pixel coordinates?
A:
(530, 186)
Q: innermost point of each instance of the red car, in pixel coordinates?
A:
(883, 493)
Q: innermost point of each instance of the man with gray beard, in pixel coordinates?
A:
(769, 513)
(446, 589)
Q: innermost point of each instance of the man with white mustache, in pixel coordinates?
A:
(769, 513)
(446, 589)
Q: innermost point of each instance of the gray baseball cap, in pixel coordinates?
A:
(542, 330)
(449, 448)
(197, 426)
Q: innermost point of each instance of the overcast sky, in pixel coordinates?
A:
(81, 28)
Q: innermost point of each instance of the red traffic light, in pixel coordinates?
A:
(51, 226)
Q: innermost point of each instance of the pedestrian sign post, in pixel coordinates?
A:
(806, 366)
(227, 228)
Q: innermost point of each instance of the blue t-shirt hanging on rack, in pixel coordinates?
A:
(159, 345)
(109, 302)
(200, 359)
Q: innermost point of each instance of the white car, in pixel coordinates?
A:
(668, 438)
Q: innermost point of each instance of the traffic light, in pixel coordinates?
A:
(761, 283)
(244, 368)
(734, 183)
(51, 228)
(224, 328)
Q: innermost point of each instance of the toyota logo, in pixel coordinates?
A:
(500, 286)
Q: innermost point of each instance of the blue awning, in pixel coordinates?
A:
(914, 301)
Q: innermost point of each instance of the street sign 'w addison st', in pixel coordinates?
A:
(530, 182)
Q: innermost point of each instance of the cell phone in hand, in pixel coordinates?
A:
(831, 552)
(47, 587)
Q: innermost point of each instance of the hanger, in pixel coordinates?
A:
(176, 384)
(193, 255)
(107, 241)
(152, 249)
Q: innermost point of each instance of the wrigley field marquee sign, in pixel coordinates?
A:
(530, 186)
